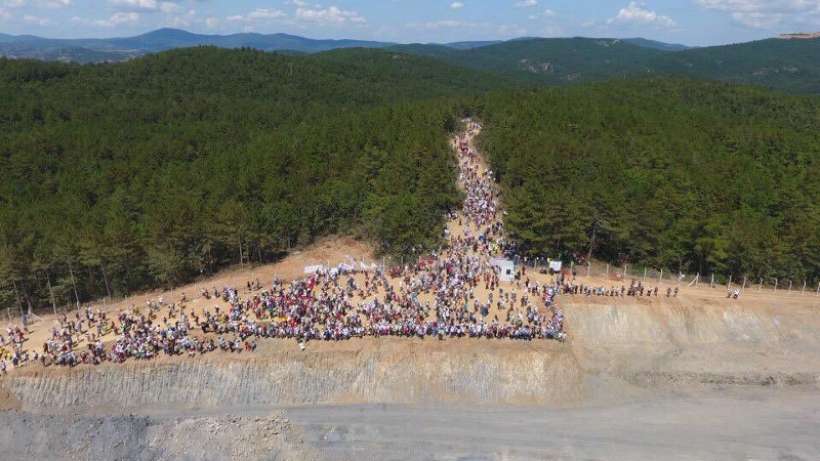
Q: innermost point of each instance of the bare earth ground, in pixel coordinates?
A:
(697, 377)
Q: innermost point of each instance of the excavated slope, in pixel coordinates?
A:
(616, 346)
(361, 371)
(702, 343)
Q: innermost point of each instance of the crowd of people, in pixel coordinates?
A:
(455, 293)
(635, 289)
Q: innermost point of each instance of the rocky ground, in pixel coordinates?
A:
(129, 437)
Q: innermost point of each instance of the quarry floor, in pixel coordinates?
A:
(748, 425)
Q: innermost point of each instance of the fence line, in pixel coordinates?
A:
(647, 275)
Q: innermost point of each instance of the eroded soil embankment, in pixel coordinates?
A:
(694, 344)
(389, 370)
(620, 349)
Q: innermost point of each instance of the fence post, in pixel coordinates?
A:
(744, 283)
(644, 274)
(760, 287)
(712, 283)
(790, 287)
(660, 277)
(818, 289)
(775, 285)
(803, 291)
(729, 285)
(607, 270)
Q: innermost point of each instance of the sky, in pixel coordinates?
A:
(691, 22)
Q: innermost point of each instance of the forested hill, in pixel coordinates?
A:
(119, 177)
(691, 176)
(348, 77)
(124, 48)
(791, 65)
(554, 60)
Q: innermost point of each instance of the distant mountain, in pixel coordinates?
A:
(791, 65)
(548, 60)
(59, 51)
(470, 45)
(123, 48)
(164, 39)
(642, 42)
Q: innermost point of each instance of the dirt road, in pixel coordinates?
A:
(752, 426)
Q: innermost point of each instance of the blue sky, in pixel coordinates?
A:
(692, 22)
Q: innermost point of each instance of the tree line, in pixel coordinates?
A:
(122, 177)
(691, 176)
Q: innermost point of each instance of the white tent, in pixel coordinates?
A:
(505, 268)
(314, 269)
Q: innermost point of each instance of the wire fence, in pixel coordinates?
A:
(652, 276)
(612, 275)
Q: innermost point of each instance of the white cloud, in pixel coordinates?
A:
(765, 14)
(265, 13)
(212, 22)
(510, 30)
(484, 28)
(4, 14)
(526, 3)
(144, 5)
(443, 24)
(35, 20)
(548, 13)
(636, 13)
(456, 5)
(116, 19)
(329, 15)
(121, 18)
(147, 6)
(258, 15)
(42, 3)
